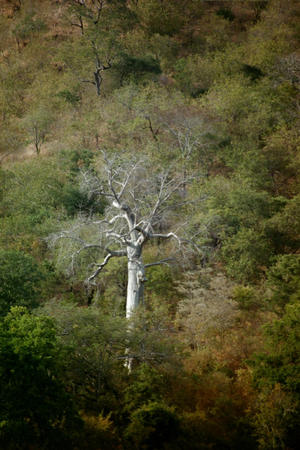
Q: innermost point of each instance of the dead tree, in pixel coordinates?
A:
(137, 203)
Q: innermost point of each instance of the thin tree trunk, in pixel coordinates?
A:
(98, 81)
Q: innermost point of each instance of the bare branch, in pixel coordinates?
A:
(138, 202)
(158, 263)
(153, 133)
(99, 268)
(125, 183)
(165, 236)
(110, 255)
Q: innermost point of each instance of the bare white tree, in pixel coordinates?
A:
(139, 204)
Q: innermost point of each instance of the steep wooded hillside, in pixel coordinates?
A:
(155, 141)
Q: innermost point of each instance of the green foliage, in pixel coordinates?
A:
(20, 280)
(239, 205)
(281, 363)
(147, 384)
(149, 337)
(36, 410)
(246, 297)
(32, 187)
(69, 96)
(74, 160)
(95, 346)
(287, 224)
(133, 68)
(253, 114)
(98, 429)
(112, 287)
(284, 280)
(246, 254)
(276, 373)
(239, 216)
(275, 419)
(153, 425)
(37, 124)
(160, 283)
(30, 201)
(75, 201)
(99, 47)
(226, 13)
(159, 17)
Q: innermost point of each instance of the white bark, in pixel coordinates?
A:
(136, 207)
(136, 280)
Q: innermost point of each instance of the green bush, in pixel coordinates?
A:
(20, 279)
(245, 297)
(152, 426)
(36, 411)
(74, 201)
(276, 375)
(246, 254)
(284, 280)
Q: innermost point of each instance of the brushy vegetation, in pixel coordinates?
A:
(209, 89)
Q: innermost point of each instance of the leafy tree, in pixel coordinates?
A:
(153, 425)
(95, 344)
(286, 224)
(20, 280)
(236, 217)
(275, 419)
(283, 280)
(99, 429)
(147, 417)
(76, 201)
(96, 50)
(147, 385)
(35, 408)
(32, 195)
(246, 297)
(246, 254)
(38, 123)
(276, 373)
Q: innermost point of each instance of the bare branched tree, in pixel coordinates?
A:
(138, 210)
(192, 136)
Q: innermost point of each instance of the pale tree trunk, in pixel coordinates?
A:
(136, 279)
(129, 220)
(135, 287)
